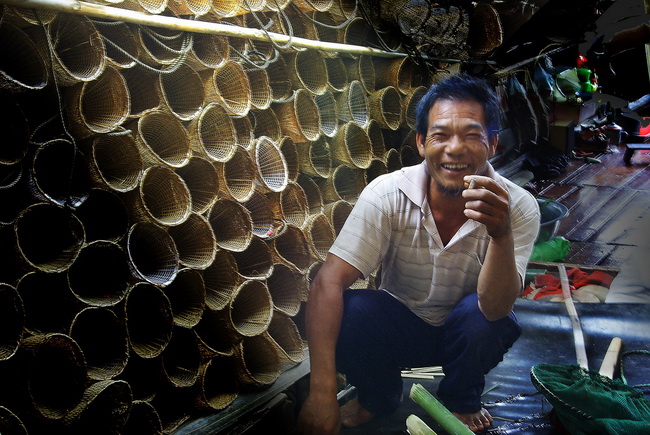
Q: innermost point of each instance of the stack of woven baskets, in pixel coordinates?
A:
(166, 197)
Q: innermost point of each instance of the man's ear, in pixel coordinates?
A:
(493, 146)
(419, 141)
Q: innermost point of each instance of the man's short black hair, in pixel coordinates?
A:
(461, 87)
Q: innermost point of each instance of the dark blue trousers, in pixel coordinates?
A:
(380, 336)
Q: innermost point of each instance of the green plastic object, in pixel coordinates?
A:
(552, 250)
(589, 403)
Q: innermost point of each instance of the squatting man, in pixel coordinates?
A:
(452, 262)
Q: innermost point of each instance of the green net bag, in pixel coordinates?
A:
(588, 403)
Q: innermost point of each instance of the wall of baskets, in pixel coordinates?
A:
(165, 197)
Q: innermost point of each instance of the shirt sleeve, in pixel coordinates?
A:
(525, 226)
(365, 236)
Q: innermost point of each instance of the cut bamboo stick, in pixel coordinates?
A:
(608, 365)
(578, 336)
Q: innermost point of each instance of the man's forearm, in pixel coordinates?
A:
(499, 283)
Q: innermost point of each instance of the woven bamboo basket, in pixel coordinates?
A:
(244, 135)
(285, 286)
(224, 8)
(154, 7)
(292, 248)
(12, 321)
(337, 212)
(144, 376)
(272, 174)
(122, 48)
(229, 86)
(289, 151)
(401, 73)
(320, 235)
(485, 30)
(250, 308)
(101, 335)
(299, 117)
(232, 225)
(182, 92)
(144, 91)
(252, 6)
(293, 204)
(27, 17)
(195, 242)
(215, 338)
(311, 273)
(410, 104)
(213, 133)
(52, 369)
(269, 22)
(98, 106)
(307, 70)
(343, 9)
(261, 90)
(377, 141)
(187, 297)
(377, 167)
(393, 161)
(174, 406)
(59, 174)
(279, 80)
(202, 180)
(345, 183)
(218, 385)
(277, 5)
(49, 304)
(313, 5)
(162, 197)
(358, 32)
(105, 404)
(221, 279)
(256, 262)
(328, 29)
(115, 161)
(315, 158)
(189, 7)
(22, 66)
(409, 156)
(351, 146)
(100, 274)
(363, 70)
(160, 47)
(385, 106)
(352, 105)
(208, 51)
(328, 112)
(149, 319)
(10, 423)
(181, 359)
(162, 139)
(77, 49)
(103, 216)
(265, 123)
(152, 253)
(63, 231)
(284, 333)
(15, 194)
(312, 193)
(143, 419)
(237, 176)
(16, 132)
(265, 213)
(258, 361)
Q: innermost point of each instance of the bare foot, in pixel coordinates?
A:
(353, 414)
(476, 421)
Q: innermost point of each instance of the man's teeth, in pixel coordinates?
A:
(454, 166)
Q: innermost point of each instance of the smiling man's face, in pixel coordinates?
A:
(456, 144)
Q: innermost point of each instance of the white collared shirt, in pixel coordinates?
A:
(391, 224)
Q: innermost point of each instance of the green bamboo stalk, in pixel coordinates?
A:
(435, 409)
(415, 426)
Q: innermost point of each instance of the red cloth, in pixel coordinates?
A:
(548, 285)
